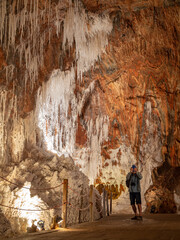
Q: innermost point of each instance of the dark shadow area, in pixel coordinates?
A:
(5, 226)
(160, 197)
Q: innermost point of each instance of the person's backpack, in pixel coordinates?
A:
(128, 182)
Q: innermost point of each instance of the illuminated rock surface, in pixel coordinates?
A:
(96, 82)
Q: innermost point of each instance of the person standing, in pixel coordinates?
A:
(133, 182)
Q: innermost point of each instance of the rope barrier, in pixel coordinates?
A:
(46, 209)
(32, 210)
(83, 209)
(80, 209)
(95, 194)
(100, 210)
(37, 189)
(80, 195)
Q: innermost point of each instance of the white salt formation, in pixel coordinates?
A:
(56, 97)
(90, 33)
(53, 102)
(59, 128)
(89, 158)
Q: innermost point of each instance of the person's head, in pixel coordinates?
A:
(134, 168)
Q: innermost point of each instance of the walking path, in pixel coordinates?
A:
(117, 227)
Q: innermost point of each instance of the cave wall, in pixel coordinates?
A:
(140, 79)
(97, 81)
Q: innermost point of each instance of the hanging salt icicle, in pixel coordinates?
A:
(57, 94)
(2, 17)
(90, 33)
(24, 16)
(9, 72)
(3, 98)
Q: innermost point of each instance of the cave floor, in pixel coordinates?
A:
(117, 227)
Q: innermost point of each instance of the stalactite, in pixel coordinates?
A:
(90, 33)
(24, 17)
(3, 18)
(9, 73)
(97, 133)
(56, 94)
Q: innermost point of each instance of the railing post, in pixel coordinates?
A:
(104, 202)
(81, 205)
(107, 203)
(111, 203)
(64, 206)
(91, 202)
(53, 226)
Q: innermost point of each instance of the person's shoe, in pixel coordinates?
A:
(134, 218)
(140, 218)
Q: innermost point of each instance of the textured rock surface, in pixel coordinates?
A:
(49, 171)
(5, 227)
(97, 81)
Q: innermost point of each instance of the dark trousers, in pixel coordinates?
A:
(135, 197)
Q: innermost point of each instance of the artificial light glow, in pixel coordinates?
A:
(40, 225)
(59, 223)
(25, 201)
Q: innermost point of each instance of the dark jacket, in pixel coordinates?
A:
(139, 177)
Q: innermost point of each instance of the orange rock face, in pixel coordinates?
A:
(138, 84)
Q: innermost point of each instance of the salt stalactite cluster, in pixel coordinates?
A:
(53, 102)
(57, 107)
(90, 33)
(20, 32)
(22, 19)
(89, 157)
